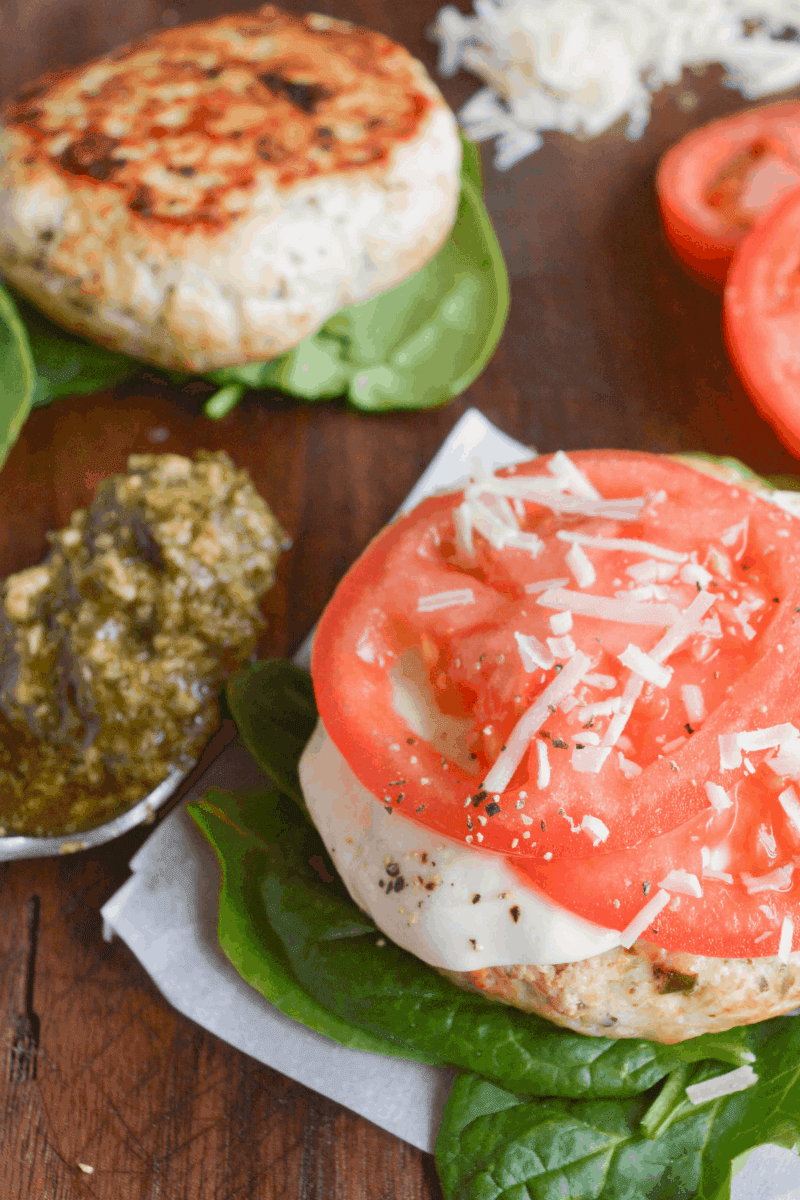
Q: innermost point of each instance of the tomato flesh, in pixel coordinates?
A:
(421, 689)
(721, 180)
(762, 318)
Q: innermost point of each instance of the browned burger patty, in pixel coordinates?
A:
(645, 992)
(213, 193)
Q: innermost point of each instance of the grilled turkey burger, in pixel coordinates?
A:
(213, 193)
(559, 745)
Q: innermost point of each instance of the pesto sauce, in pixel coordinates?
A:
(114, 647)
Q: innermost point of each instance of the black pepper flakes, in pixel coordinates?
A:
(392, 869)
(515, 913)
(688, 729)
(478, 799)
(420, 809)
(560, 744)
(399, 884)
(492, 809)
(476, 898)
(646, 888)
(544, 827)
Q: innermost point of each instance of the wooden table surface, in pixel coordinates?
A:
(608, 344)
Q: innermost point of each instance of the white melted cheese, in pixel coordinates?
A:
(441, 924)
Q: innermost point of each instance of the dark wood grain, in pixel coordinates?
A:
(608, 344)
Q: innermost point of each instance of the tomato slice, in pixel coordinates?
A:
(752, 841)
(720, 180)
(762, 318)
(422, 661)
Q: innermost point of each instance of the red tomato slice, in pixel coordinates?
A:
(762, 318)
(753, 839)
(388, 660)
(719, 181)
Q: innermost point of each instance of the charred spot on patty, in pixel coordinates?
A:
(142, 201)
(270, 150)
(92, 155)
(305, 96)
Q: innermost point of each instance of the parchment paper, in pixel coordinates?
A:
(167, 914)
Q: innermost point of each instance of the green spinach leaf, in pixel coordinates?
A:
(290, 892)
(332, 945)
(417, 345)
(17, 375)
(496, 1144)
(248, 832)
(67, 365)
(272, 703)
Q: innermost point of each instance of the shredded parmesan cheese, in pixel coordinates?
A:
(580, 66)
(651, 571)
(777, 880)
(766, 739)
(629, 769)
(462, 520)
(718, 797)
(562, 467)
(545, 585)
(438, 600)
(561, 623)
(543, 774)
(609, 608)
(693, 702)
(604, 682)
(588, 760)
(532, 720)
(643, 918)
(642, 664)
(562, 647)
(785, 944)
(730, 754)
(631, 544)
(694, 573)
(581, 567)
(595, 828)
(683, 882)
(790, 803)
(786, 761)
(719, 876)
(723, 1085)
(533, 653)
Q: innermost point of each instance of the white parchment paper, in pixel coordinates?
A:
(167, 914)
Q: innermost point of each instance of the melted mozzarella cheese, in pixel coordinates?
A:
(434, 913)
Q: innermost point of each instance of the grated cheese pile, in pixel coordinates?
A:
(581, 65)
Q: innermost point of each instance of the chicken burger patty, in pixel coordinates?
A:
(211, 194)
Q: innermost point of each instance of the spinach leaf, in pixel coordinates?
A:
(289, 893)
(419, 344)
(67, 365)
(416, 346)
(495, 1144)
(231, 824)
(17, 375)
(332, 945)
(272, 703)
